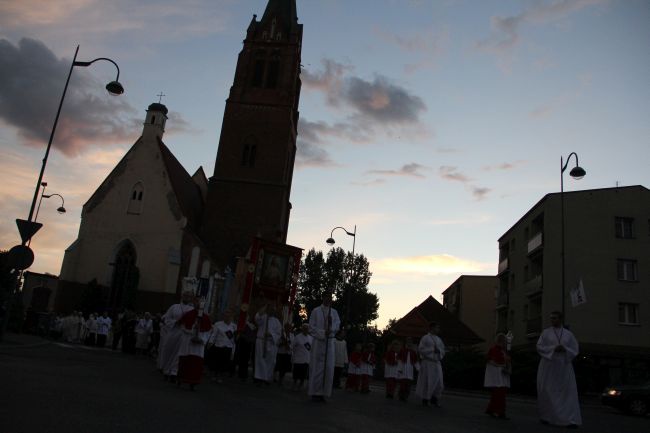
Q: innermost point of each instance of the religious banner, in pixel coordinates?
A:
(578, 295)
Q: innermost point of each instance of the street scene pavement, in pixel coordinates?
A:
(58, 387)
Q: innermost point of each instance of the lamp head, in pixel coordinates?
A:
(115, 88)
(330, 241)
(61, 209)
(43, 184)
(577, 172)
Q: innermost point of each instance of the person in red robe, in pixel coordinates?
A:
(407, 360)
(368, 362)
(354, 369)
(196, 327)
(497, 377)
(390, 368)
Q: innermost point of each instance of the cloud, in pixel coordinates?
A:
(411, 170)
(504, 166)
(364, 109)
(120, 18)
(437, 264)
(452, 173)
(31, 81)
(427, 45)
(506, 30)
(480, 193)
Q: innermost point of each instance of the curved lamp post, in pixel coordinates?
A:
(114, 87)
(330, 241)
(60, 209)
(577, 173)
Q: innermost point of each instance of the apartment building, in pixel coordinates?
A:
(607, 253)
(471, 299)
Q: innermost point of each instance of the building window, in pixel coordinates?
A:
(624, 227)
(259, 66)
(628, 314)
(273, 71)
(135, 200)
(249, 152)
(626, 270)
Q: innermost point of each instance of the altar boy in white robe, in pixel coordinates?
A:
(324, 323)
(171, 336)
(430, 383)
(557, 393)
(269, 331)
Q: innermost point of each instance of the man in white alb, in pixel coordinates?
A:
(431, 350)
(269, 331)
(557, 393)
(171, 335)
(324, 323)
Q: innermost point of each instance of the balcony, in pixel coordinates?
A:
(535, 243)
(534, 286)
(503, 266)
(534, 327)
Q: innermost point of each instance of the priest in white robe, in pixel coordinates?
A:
(430, 382)
(557, 393)
(269, 331)
(324, 323)
(171, 335)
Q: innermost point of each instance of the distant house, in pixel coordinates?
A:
(416, 323)
(472, 300)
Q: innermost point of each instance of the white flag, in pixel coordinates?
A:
(578, 295)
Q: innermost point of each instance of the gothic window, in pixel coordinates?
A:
(249, 152)
(135, 200)
(258, 69)
(273, 71)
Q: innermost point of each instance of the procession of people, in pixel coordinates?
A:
(316, 355)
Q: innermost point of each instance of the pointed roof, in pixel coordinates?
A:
(284, 10)
(188, 193)
(416, 323)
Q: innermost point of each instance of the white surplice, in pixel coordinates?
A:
(557, 393)
(322, 355)
(266, 346)
(143, 330)
(170, 338)
(430, 383)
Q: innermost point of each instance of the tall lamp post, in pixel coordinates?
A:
(114, 88)
(330, 241)
(577, 173)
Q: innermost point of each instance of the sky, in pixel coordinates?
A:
(430, 125)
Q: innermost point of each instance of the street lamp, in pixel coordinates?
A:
(330, 241)
(60, 209)
(577, 173)
(114, 87)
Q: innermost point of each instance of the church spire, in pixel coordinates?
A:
(283, 10)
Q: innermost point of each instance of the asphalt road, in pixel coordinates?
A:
(53, 387)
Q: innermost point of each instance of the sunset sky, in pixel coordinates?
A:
(431, 125)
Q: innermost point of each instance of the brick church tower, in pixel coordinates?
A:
(248, 195)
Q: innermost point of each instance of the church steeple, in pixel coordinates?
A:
(154, 123)
(249, 192)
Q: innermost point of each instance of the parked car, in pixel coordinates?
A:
(634, 399)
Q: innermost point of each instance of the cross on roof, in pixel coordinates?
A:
(160, 96)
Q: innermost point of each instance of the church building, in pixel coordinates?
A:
(150, 226)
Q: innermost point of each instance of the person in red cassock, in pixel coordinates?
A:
(196, 327)
(368, 362)
(407, 363)
(390, 368)
(354, 369)
(497, 377)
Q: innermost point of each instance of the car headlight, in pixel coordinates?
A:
(613, 392)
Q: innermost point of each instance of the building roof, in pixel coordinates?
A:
(41, 275)
(188, 193)
(568, 194)
(285, 10)
(462, 277)
(416, 323)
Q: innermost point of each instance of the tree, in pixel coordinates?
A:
(348, 277)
